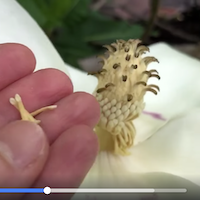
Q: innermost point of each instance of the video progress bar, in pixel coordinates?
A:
(48, 190)
(118, 190)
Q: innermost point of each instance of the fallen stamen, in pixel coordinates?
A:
(25, 115)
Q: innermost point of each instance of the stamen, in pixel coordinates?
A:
(155, 75)
(136, 55)
(141, 83)
(128, 57)
(141, 49)
(110, 48)
(147, 72)
(114, 45)
(126, 49)
(116, 65)
(124, 78)
(149, 59)
(102, 70)
(121, 41)
(97, 73)
(151, 90)
(109, 84)
(43, 109)
(101, 90)
(25, 115)
(129, 97)
(103, 58)
(154, 86)
(134, 66)
(153, 70)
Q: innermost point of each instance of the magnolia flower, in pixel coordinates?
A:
(165, 151)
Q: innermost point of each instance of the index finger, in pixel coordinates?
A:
(16, 62)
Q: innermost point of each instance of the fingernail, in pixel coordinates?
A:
(21, 144)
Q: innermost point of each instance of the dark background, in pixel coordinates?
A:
(79, 28)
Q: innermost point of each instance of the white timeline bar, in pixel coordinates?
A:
(48, 190)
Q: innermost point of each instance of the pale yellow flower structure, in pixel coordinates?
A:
(25, 115)
(122, 84)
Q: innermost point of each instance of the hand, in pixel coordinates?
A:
(61, 149)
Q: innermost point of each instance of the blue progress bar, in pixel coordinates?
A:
(21, 190)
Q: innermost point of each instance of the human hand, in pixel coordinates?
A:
(61, 149)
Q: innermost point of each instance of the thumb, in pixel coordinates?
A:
(23, 152)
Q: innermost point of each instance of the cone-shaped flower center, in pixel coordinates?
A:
(122, 84)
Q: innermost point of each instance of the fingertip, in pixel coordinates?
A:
(17, 61)
(23, 153)
(87, 141)
(18, 54)
(82, 141)
(92, 108)
(55, 81)
(24, 142)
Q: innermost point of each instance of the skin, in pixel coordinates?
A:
(61, 149)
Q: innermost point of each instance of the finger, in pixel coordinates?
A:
(39, 89)
(16, 61)
(23, 152)
(78, 108)
(70, 158)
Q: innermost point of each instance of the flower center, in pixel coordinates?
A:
(122, 84)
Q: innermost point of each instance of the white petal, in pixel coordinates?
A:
(179, 89)
(82, 81)
(18, 27)
(173, 149)
(146, 126)
(179, 84)
(123, 179)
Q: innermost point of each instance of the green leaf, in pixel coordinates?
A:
(60, 9)
(78, 14)
(49, 13)
(97, 28)
(35, 11)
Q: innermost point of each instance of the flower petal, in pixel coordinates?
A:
(146, 126)
(82, 81)
(17, 26)
(173, 149)
(178, 85)
(156, 180)
(179, 91)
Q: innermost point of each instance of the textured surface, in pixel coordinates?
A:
(122, 84)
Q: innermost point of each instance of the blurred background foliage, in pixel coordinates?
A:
(78, 31)
(79, 28)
